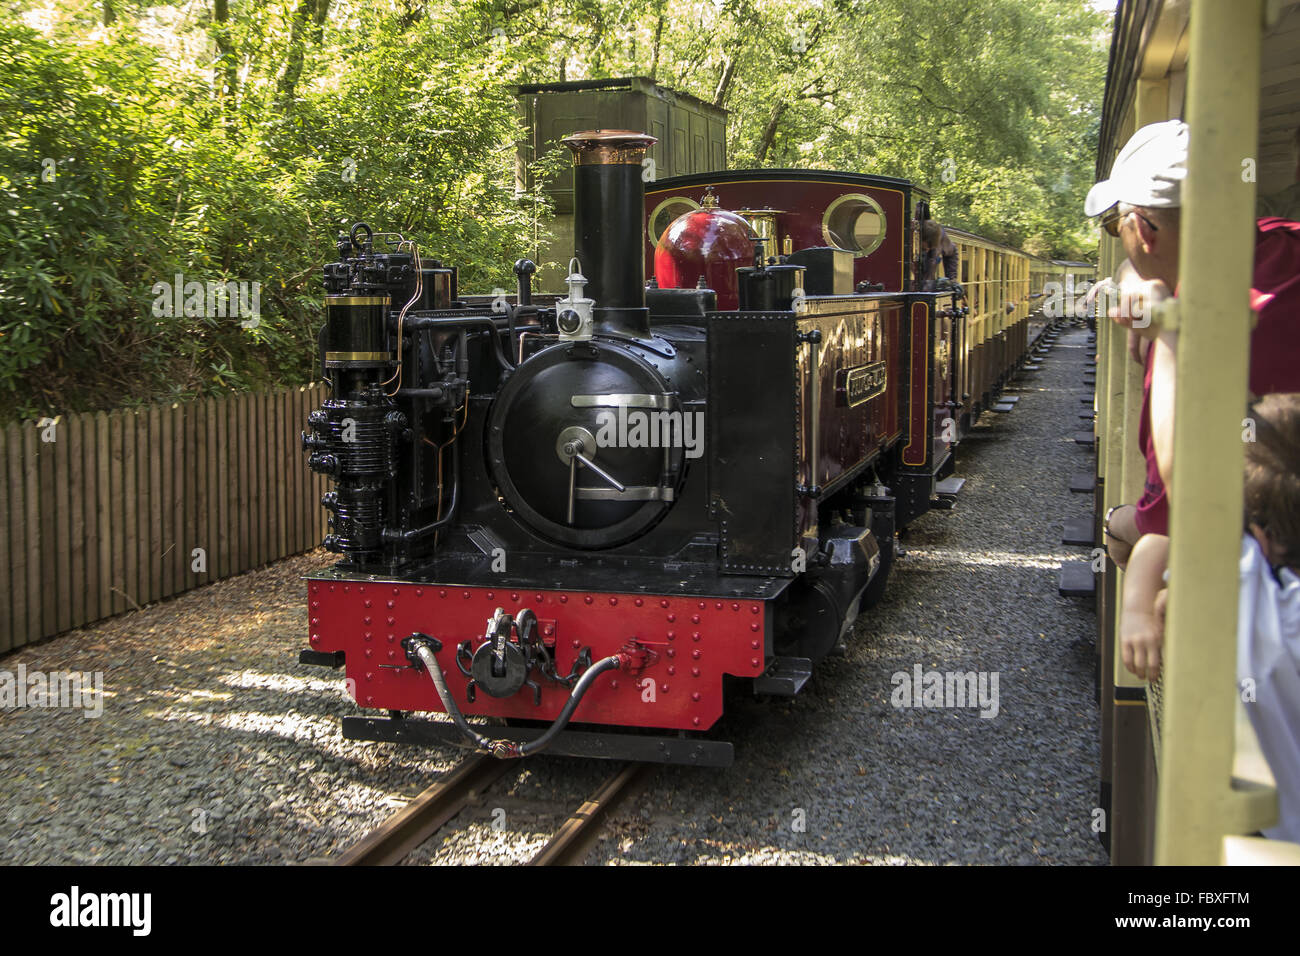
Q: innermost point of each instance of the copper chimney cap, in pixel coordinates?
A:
(606, 147)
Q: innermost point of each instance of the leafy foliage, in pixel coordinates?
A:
(230, 141)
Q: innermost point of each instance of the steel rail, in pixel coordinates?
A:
(401, 833)
(577, 835)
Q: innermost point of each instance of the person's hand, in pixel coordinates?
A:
(1141, 637)
(1134, 303)
(1129, 300)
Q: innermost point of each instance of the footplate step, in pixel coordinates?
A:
(784, 677)
(950, 487)
(1079, 531)
(1077, 579)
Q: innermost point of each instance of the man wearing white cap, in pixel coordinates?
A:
(1144, 192)
(1140, 204)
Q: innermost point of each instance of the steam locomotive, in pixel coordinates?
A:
(591, 514)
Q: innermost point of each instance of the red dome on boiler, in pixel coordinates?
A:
(708, 242)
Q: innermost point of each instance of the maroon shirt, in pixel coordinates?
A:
(1153, 507)
(1274, 349)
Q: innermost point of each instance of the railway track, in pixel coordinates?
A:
(398, 836)
(577, 835)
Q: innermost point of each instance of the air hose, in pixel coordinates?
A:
(505, 749)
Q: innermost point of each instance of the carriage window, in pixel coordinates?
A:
(854, 222)
(665, 213)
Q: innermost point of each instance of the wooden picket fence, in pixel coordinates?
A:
(108, 511)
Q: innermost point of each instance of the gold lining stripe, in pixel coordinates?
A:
(358, 357)
(357, 300)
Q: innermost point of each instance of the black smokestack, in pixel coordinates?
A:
(608, 225)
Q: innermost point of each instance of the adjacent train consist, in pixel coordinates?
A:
(606, 508)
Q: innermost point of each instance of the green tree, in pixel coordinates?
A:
(230, 141)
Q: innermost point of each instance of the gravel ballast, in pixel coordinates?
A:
(977, 591)
(215, 746)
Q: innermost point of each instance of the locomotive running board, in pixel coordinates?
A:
(946, 492)
(784, 677)
(334, 659)
(569, 743)
(1080, 531)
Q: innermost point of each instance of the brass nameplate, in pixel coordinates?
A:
(853, 386)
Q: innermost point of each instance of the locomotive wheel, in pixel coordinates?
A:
(875, 591)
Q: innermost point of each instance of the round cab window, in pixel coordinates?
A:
(854, 222)
(665, 213)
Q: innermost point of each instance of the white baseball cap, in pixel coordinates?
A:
(1148, 171)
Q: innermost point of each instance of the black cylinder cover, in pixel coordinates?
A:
(356, 332)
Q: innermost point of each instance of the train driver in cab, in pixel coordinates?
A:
(936, 249)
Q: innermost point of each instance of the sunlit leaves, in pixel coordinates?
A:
(162, 165)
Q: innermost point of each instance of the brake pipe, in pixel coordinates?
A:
(423, 647)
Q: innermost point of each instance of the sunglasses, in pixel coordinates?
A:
(1111, 222)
